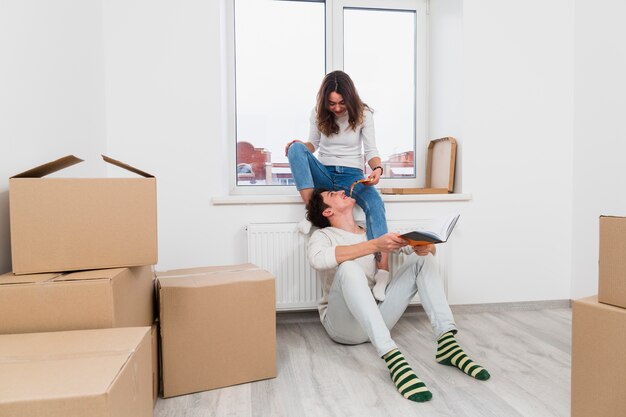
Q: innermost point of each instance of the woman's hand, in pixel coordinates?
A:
(374, 178)
(289, 144)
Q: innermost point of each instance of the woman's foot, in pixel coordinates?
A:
(381, 280)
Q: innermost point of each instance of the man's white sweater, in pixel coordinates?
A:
(321, 252)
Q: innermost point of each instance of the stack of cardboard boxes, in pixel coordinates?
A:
(599, 332)
(77, 333)
(77, 314)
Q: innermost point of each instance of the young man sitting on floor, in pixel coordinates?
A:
(348, 310)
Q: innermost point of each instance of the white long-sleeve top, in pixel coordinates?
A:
(321, 253)
(347, 147)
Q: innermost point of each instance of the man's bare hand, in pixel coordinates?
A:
(389, 242)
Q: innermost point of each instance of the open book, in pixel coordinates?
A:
(435, 231)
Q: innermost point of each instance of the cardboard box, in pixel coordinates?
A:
(612, 262)
(218, 327)
(120, 297)
(96, 373)
(598, 368)
(154, 336)
(66, 224)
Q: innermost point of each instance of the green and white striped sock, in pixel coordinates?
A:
(450, 353)
(409, 385)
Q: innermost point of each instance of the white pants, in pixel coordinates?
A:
(354, 317)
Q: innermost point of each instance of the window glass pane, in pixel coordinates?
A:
(280, 59)
(379, 55)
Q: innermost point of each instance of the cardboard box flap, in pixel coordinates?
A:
(593, 302)
(205, 270)
(126, 167)
(10, 279)
(209, 279)
(50, 167)
(38, 377)
(72, 342)
(90, 275)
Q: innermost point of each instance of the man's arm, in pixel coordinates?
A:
(385, 243)
(323, 254)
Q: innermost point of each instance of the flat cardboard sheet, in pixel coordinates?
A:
(440, 169)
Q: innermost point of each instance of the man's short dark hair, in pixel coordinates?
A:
(315, 209)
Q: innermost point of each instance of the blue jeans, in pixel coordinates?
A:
(308, 172)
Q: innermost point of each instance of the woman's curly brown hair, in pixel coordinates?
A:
(340, 83)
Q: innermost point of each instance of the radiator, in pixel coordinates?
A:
(282, 250)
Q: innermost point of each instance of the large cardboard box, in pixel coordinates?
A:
(612, 262)
(96, 373)
(598, 366)
(65, 224)
(218, 327)
(120, 297)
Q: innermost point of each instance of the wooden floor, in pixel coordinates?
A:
(527, 353)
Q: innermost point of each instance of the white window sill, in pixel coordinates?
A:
(295, 199)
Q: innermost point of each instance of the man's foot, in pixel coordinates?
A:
(381, 279)
(304, 226)
(409, 385)
(450, 353)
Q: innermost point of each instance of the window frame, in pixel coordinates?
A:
(334, 61)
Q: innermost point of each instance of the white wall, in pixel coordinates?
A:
(163, 88)
(446, 77)
(513, 118)
(599, 131)
(51, 91)
(517, 152)
(148, 76)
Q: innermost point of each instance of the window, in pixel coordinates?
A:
(281, 50)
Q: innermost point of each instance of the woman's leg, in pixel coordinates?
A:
(307, 171)
(369, 200)
(366, 197)
(373, 207)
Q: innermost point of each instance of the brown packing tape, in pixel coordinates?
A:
(200, 274)
(90, 275)
(62, 356)
(220, 268)
(12, 279)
